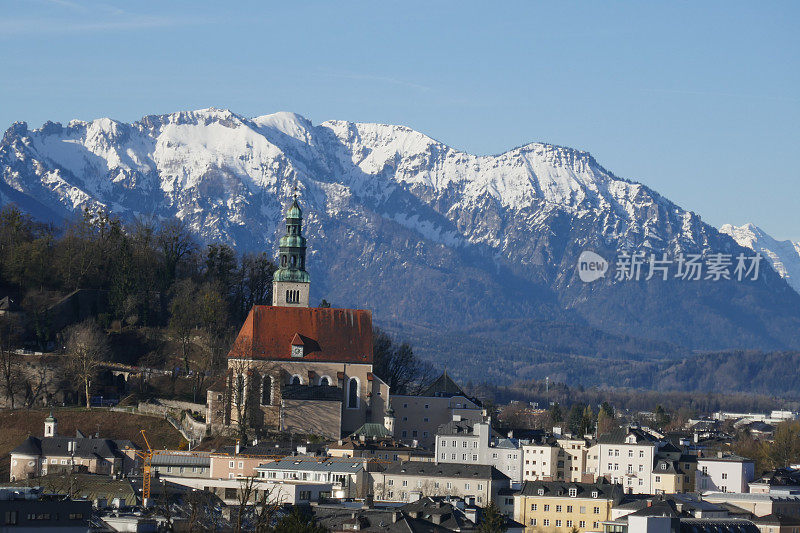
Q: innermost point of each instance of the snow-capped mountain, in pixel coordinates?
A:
(433, 239)
(784, 256)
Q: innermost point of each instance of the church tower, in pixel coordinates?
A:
(291, 282)
(50, 426)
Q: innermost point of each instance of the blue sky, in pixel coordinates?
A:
(700, 101)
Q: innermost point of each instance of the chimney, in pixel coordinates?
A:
(369, 501)
(456, 418)
(396, 516)
(237, 447)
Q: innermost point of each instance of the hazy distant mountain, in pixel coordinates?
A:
(784, 256)
(471, 257)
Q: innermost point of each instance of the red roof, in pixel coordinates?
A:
(336, 335)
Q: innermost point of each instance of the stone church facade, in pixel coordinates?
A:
(297, 368)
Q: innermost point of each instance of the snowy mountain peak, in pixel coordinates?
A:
(784, 256)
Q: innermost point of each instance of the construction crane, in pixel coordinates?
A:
(147, 460)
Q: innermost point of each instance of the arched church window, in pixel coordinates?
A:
(266, 391)
(239, 393)
(283, 261)
(325, 380)
(293, 261)
(296, 380)
(352, 394)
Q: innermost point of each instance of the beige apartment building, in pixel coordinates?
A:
(407, 482)
(556, 459)
(560, 506)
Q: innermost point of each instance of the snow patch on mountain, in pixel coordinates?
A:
(784, 256)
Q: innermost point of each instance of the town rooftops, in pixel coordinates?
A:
(623, 435)
(600, 489)
(312, 464)
(445, 470)
(335, 335)
(776, 520)
(717, 525)
(728, 457)
(173, 458)
(781, 477)
(85, 448)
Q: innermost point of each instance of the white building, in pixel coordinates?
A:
(625, 456)
(348, 478)
(724, 473)
(474, 443)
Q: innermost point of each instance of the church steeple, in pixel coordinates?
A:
(290, 286)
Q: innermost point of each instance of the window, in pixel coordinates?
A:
(474, 457)
(705, 470)
(297, 380)
(595, 525)
(12, 517)
(569, 523)
(541, 492)
(723, 488)
(230, 464)
(582, 509)
(443, 443)
(449, 485)
(444, 456)
(533, 521)
(658, 479)
(641, 454)
(266, 390)
(596, 510)
(546, 522)
(582, 524)
(630, 453)
(466, 486)
(241, 464)
(558, 508)
(352, 393)
(573, 492)
(724, 475)
(325, 381)
(405, 483)
(569, 508)
(391, 483)
(546, 507)
(558, 523)
(464, 444)
(534, 507)
(641, 468)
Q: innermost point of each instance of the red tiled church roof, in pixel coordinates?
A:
(336, 335)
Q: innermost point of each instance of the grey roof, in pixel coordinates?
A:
(313, 464)
(781, 477)
(84, 448)
(449, 516)
(583, 490)
(340, 518)
(776, 520)
(619, 435)
(717, 525)
(672, 467)
(728, 458)
(507, 444)
(177, 459)
(444, 386)
(419, 468)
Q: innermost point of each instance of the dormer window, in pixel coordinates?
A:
(594, 494)
(573, 492)
(298, 346)
(541, 492)
(663, 466)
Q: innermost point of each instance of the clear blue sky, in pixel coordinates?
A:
(699, 100)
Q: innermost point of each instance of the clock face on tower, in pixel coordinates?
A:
(297, 351)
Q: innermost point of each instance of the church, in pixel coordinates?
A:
(297, 368)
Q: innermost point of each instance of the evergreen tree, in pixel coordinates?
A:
(492, 520)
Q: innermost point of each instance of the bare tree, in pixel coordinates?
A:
(10, 370)
(176, 243)
(86, 349)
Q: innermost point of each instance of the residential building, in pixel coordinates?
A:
(182, 464)
(406, 482)
(384, 450)
(469, 442)
(559, 458)
(560, 506)
(773, 523)
(418, 417)
(232, 491)
(758, 504)
(779, 481)
(30, 509)
(724, 473)
(38, 456)
(348, 478)
(625, 456)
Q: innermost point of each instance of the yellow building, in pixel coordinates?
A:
(559, 506)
